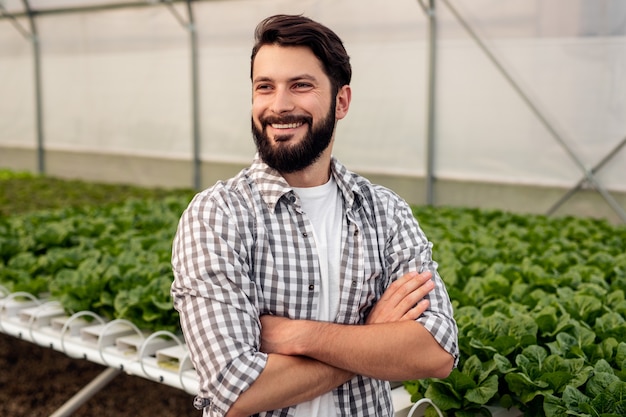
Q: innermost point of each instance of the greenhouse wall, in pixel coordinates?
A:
(117, 95)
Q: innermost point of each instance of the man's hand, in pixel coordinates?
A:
(403, 299)
(382, 349)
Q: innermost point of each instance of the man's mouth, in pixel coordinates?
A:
(286, 125)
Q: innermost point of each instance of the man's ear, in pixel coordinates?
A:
(344, 96)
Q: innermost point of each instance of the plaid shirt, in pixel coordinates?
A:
(244, 248)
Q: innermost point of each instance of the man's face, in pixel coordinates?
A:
(293, 115)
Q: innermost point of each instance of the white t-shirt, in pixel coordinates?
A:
(323, 206)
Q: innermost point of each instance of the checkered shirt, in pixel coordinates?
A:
(244, 248)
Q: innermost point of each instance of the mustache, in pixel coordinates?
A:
(286, 119)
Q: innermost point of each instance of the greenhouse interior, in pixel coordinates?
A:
(517, 108)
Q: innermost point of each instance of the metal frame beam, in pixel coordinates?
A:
(195, 97)
(190, 26)
(88, 391)
(583, 181)
(430, 11)
(101, 7)
(32, 36)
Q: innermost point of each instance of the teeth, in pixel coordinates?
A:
(286, 126)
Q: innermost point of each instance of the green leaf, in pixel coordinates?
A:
(26, 261)
(505, 344)
(617, 397)
(602, 366)
(443, 396)
(459, 382)
(582, 307)
(556, 380)
(571, 404)
(605, 349)
(472, 367)
(416, 388)
(532, 355)
(615, 298)
(495, 285)
(554, 406)
(610, 325)
(503, 364)
(602, 378)
(602, 405)
(546, 319)
(574, 399)
(620, 355)
(526, 388)
(581, 377)
(484, 392)
(571, 345)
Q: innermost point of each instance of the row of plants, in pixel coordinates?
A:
(23, 192)
(99, 247)
(112, 260)
(539, 301)
(541, 313)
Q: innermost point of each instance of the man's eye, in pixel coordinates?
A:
(263, 87)
(302, 85)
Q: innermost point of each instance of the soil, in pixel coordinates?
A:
(36, 381)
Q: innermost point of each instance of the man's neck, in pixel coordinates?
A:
(315, 174)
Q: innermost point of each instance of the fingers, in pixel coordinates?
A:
(403, 299)
(409, 289)
(411, 296)
(416, 311)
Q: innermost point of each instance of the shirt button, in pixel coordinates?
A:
(311, 287)
(305, 234)
(354, 283)
(356, 232)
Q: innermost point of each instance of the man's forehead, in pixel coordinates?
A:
(276, 59)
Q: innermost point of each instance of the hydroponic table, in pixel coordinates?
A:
(122, 347)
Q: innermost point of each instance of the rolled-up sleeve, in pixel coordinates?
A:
(217, 301)
(408, 249)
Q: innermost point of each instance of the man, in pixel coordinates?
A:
(302, 288)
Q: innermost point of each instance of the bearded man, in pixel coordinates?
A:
(302, 287)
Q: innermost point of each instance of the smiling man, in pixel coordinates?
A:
(302, 287)
(289, 91)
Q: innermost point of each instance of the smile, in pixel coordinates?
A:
(286, 125)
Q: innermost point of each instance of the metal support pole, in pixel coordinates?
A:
(195, 96)
(190, 26)
(33, 37)
(430, 116)
(551, 129)
(41, 157)
(16, 24)
(86, 393)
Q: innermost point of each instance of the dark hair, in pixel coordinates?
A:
(295, 30)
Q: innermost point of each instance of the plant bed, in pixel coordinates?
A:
(541, 312)
(539, 301)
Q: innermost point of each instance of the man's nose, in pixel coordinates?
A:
(282, 102)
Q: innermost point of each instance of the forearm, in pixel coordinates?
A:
(286, 381)
(390, 351)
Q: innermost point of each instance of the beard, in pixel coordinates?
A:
(288, 158)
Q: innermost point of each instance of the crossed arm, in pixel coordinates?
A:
(315, 357)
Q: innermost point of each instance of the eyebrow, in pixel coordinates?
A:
(292, 79)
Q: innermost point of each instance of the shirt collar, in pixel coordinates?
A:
(273, 186)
